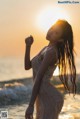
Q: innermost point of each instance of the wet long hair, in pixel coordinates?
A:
(66, 58)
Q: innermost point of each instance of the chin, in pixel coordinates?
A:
(47, 38)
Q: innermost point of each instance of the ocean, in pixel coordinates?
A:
(11, 68)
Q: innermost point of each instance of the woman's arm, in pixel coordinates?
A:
(27, 62)
(49, 58)
(27, 58)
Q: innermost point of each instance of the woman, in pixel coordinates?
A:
(59, 52)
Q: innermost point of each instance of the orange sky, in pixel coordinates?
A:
(18, 20)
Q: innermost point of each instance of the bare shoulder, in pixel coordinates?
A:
(51, 55)
(51, 51)
(42, 50)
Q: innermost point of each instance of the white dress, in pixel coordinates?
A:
(49, 101)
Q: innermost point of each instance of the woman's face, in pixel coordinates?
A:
(54, 33)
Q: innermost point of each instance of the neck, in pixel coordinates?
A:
(52, 43)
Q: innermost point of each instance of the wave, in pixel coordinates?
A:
(15, 92)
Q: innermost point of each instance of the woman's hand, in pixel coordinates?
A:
(29, 40)
(29, 112)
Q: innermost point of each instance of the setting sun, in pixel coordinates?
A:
(48, 16)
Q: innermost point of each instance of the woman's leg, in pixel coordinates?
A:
(37, 108)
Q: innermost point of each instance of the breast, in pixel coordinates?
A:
(36, 62)
(35, 65)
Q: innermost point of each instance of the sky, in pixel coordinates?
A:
(21, 18)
